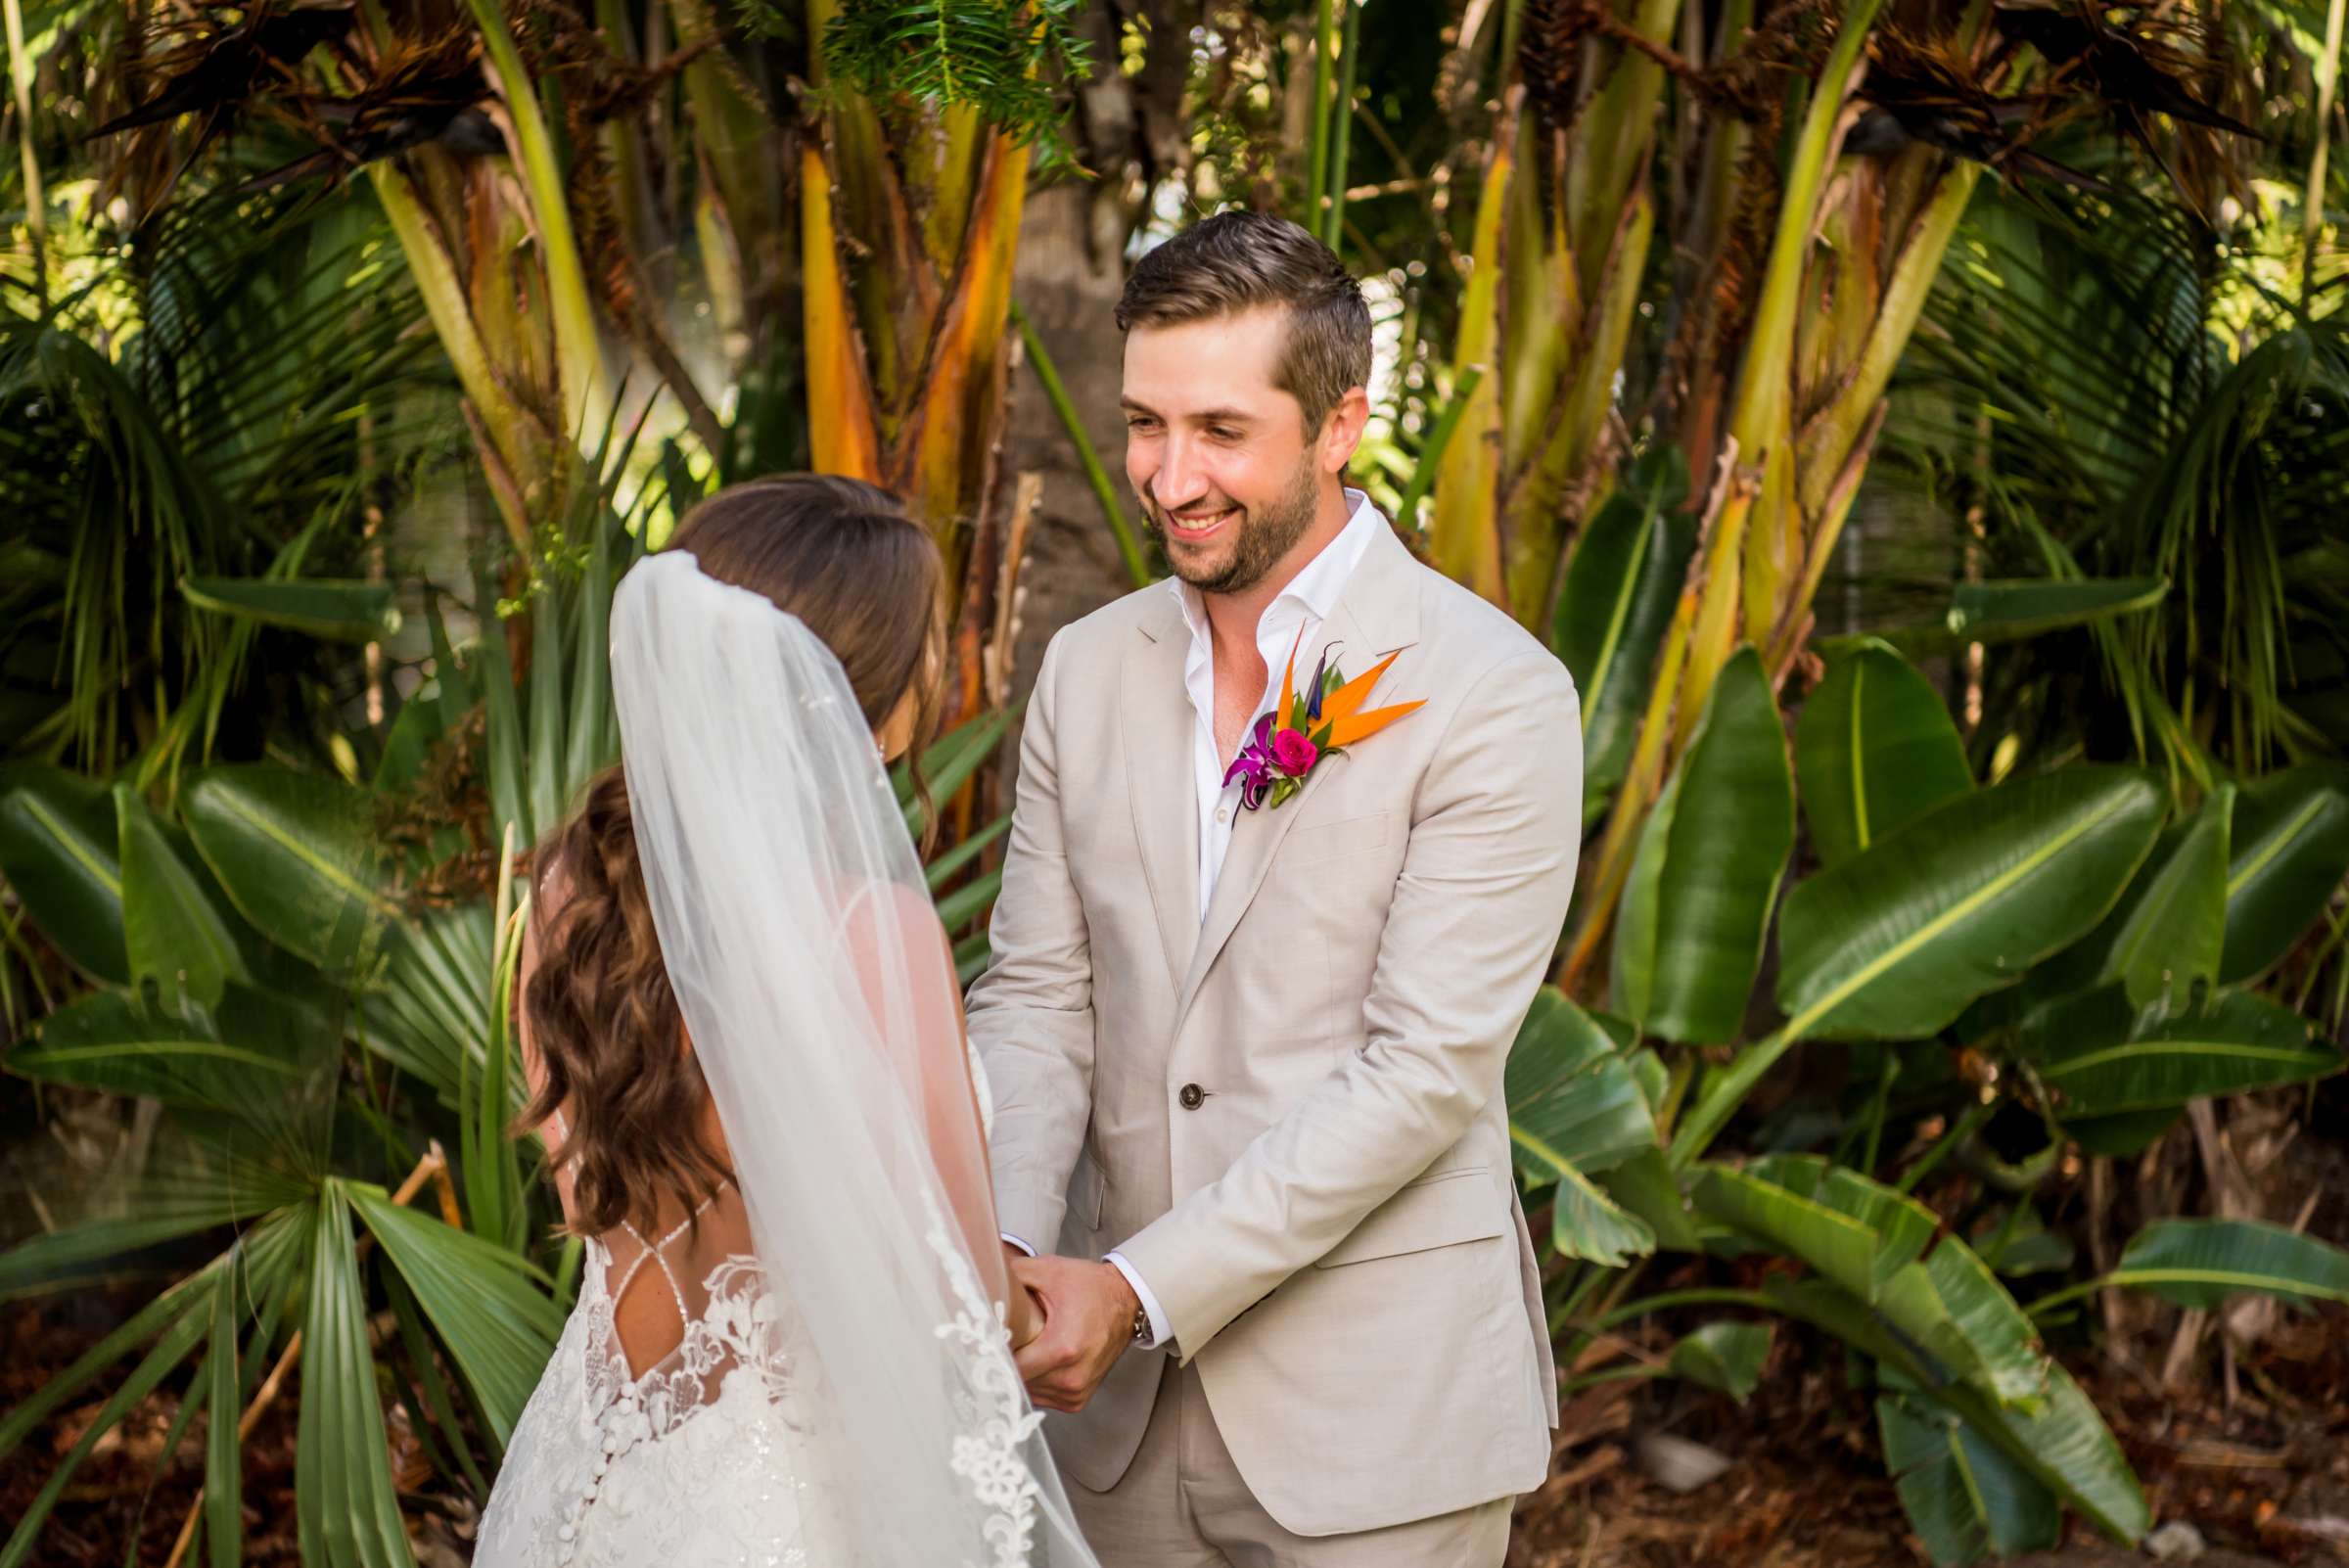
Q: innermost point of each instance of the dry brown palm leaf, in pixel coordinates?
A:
(217, 64)
(2142, 70)
(2135, 68)
(419, 95)
(1927, 91)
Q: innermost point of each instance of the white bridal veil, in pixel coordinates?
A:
(821, 998)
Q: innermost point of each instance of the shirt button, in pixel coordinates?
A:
(1223, 815)
(1191, 1095)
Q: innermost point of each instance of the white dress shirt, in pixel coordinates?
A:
(1300, 608)
(1297, 612)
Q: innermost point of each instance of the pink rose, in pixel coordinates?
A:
(1293, 752)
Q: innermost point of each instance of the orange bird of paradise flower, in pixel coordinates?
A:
(1340, 710)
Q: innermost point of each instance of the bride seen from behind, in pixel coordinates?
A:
(747, 1060)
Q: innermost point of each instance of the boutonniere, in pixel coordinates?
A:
(1317, 723)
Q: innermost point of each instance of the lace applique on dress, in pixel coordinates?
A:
(997, 1420)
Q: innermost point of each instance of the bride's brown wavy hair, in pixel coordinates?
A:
(842, 556)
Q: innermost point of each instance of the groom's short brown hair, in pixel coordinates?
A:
(1238, 261)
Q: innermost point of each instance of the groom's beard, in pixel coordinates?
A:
(1259, 539)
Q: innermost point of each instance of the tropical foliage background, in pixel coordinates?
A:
(1919, 424)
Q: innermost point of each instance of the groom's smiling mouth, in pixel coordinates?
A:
(1195, 528)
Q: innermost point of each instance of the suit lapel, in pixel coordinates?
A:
(1376, 613)
(1156, 716)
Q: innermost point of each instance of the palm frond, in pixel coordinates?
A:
(2079, 385)
(271, 354)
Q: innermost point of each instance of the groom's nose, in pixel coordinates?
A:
(1181, 479)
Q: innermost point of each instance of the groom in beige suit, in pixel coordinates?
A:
(1247, 1062)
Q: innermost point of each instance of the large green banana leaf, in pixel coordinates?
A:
(1646, 1186)
(2063, 1441)
(2097, 1060)
(2166, 951)
(295, 855)
(1897, 941)
(1866, 1239)
(1874, 749)
(2123, 1133)
(1963, 1494)
(1893, 943)
(2059, 1440)
(2290, 852)
(2165, 931)
(1995, 1328)
(60, 849)
(1788, 1201)
(1576, 1111)
(1622, 584)
(1688, 939)
(1943, 1330)
(179, 940)
(1724, 1356)
(2200, 1262)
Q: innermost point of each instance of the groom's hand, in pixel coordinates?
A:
(1088, 1321)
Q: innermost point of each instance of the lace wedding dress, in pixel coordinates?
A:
(710, 1457)
(707, 1457)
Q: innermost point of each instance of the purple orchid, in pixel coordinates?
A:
(1254, 765)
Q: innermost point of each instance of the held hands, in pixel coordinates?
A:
(1088, 1311)
(1026, 1319)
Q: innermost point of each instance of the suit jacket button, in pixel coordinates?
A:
(1191, 1095)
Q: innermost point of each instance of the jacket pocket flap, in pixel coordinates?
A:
(1456, 1205)
(1330, 840)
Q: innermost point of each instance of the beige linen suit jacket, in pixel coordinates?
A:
(1286, 1113)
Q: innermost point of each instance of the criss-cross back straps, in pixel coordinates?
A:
(657, 1253)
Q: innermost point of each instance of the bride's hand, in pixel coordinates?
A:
(1027, 1316)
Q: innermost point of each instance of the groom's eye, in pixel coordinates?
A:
(1224, 433)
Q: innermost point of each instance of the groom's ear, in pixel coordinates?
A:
(1342, 430)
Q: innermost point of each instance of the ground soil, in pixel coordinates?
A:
(2264, 1483)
